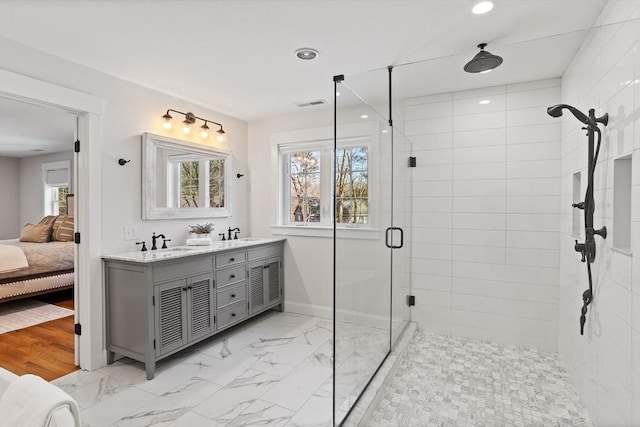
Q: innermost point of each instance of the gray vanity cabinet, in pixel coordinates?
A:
(265, 279)
(157, 305)
(184, 312)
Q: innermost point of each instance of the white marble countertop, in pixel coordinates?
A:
(186, 251)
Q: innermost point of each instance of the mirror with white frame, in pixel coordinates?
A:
(181, 179)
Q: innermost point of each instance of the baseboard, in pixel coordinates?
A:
(309, 309)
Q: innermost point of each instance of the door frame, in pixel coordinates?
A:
(89, 311)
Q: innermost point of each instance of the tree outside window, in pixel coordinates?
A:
(309, 171)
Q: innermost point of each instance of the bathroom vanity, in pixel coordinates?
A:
(160, 302)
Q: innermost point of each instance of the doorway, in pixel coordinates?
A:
(39, 184)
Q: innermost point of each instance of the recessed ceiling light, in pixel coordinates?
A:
(337, 93)
(482, 7)
(364, 116)
(484, 102)
(307, 53)
(384, 131)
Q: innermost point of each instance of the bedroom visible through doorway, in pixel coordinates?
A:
(38, 256)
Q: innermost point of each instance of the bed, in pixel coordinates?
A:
(49, 268)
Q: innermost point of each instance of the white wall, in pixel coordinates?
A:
(605, 362)
(308, 261)
(9, 198)
(485, 213)
(32, 187)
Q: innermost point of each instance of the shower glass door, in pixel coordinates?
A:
(362, 259)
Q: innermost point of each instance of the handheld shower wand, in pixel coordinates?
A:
(588, 248)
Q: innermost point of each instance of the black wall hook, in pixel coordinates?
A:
(239, 175)
(123, 162)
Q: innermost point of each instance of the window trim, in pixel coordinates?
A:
(312, 139)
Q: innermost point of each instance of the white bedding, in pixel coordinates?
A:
(12, 258)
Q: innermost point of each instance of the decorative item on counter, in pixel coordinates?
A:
(202, 232)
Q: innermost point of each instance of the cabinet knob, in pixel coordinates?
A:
(233, 315)
(184, 289)
(190, 287)
(233, 276)
(231, 259)
(233, 295)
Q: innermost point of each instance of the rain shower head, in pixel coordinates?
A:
(483, 61)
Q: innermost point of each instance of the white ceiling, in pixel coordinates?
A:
(237, 57)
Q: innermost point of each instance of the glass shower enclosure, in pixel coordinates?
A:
(371, 235)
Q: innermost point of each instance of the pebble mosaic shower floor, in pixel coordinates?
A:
(452, 381)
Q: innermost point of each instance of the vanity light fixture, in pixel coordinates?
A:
(189, 119)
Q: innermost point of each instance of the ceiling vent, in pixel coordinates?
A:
(312, 103)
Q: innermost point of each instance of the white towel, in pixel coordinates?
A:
(31, 401)
(199, 241)
(12, 258)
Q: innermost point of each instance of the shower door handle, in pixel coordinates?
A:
(386, 237)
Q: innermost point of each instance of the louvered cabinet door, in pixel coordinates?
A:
(256, 287)
(272, 286)
(201, 306)
(171, 320)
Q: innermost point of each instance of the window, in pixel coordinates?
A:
(56, 177)
(308, 186)
(198, 182)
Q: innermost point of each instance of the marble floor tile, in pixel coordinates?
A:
(296, 388)
(193, 419)
(263, 413)
(232, 400)
(110, 410)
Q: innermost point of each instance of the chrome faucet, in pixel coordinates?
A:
(231, 230)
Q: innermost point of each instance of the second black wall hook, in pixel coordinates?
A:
(123, 162)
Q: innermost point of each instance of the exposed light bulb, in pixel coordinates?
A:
(186, 128)
(484, 102)
(167, 120)
(220, 137)
(204, 133)
(364, 116)
(167, 124)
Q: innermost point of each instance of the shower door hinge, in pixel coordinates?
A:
(77, 329)
(411, 300)
(76, 238)
(412, 162)
(76, 146)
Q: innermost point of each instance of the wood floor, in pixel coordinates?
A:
(46, 349)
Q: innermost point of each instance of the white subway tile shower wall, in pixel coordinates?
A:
(604, 363)
(486, 213)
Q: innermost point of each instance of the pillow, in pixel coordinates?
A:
(49, 219)
(36, 233)
(63, 229)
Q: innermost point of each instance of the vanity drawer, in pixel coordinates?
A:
(230, 258)
(228, 276)
(231, 294)
(180, 269)
(264, 252)
(231, 315)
